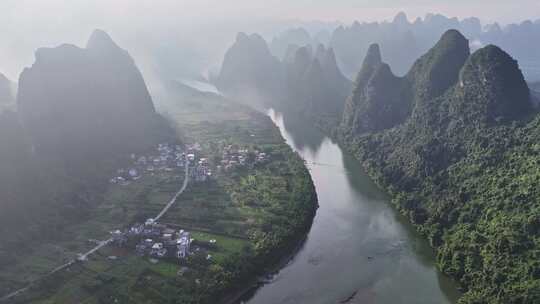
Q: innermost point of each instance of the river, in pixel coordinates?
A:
(359, 249)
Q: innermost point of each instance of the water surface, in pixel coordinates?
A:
(359, 249)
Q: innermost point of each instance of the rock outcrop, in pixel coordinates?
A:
(461, 165)
(85, 102)
(492, 86)
(376, 102)
(250, 72)
(403, 41)
(315, 84)
(381, 100)
(307, 80)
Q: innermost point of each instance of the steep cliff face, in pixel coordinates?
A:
(338, 84)
(80, 111)
(446, 95)
(6, 91)
(315, 84)
(492, 86)
(403, 41)
(461, 165)
(438, 69)
(381, 100)
(376, 102)
(382, 107)
(88, 102)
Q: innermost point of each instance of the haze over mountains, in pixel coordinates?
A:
(454, 141)
(440, 114)
(306, 80)
(402, 41)
(297, 37)
(6, 91)
(286, 75)
(97, 91)
(79, 111)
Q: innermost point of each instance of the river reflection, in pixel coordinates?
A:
(301, 134)
(359, 249)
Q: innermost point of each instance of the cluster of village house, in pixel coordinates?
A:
(238, 157)
(168, 158)
(159, 241)
(155, 240)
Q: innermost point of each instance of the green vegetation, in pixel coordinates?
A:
(120, 207)
(464, 168)
(257, 215)
(381, 100)
(269, 205)
(307, 80)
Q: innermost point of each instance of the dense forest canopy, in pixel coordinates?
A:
(462, 164)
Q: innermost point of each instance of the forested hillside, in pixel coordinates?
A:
(462, 164)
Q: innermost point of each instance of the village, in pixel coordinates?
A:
(159, 241)
(173, 157)
(233, 157)
(154, 240)
(167, 158)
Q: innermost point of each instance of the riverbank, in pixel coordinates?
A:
(467, 210)
(271, 270)
(357, 244)
(276, 244)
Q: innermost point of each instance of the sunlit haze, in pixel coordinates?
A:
(270, 151)
(29, 24)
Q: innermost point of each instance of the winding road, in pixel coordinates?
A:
(173, 200)
(84, 256)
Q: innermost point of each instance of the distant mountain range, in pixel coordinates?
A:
(402, 41)
(306, 79)
(298, 37)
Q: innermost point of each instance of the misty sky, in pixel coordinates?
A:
(135, 24)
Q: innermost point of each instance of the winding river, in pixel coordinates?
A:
(359, 249)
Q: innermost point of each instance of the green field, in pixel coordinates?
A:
(121, 206)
